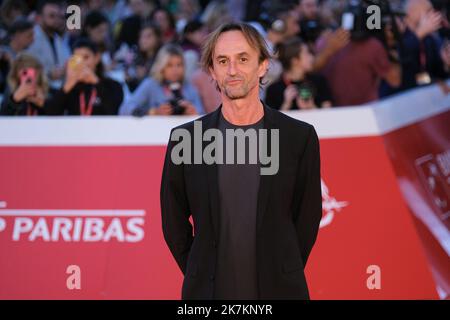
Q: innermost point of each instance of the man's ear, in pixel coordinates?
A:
(263, 68)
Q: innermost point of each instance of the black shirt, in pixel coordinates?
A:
(236, 276)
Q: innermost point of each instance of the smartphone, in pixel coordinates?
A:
(28, 75)
(75, 61)
(305, 93)
(348, 21)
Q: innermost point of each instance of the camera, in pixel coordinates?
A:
(176, 108)
(175, 88)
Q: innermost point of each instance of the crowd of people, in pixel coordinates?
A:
(142, 57)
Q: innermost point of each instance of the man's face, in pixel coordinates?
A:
(236, 67)
(50, 17)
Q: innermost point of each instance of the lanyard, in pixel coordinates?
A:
(87, 111)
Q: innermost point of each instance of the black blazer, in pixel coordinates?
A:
(288, 215)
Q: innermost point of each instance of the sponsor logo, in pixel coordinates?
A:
(330, 206)
(70, 225)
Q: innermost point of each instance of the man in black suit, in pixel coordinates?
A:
(254, 229)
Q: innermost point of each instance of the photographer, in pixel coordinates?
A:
(27, 88)
(166, 92)
(297, 87)
(86, 90)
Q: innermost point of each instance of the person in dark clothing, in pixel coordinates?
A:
(254, 229)
(421, 57)
(27, 88)
(297, 87)
(86, 90)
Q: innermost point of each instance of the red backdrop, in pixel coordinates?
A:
(97, 207)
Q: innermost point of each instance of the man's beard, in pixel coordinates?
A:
(236, 92)
(50, 29)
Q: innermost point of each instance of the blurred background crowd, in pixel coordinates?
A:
(141, 57)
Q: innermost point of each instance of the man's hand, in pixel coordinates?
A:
(429, 23)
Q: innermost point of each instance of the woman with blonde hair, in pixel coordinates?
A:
(27, 89)
(166, 91)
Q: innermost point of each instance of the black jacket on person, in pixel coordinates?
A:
(109, 98)
(9, 107)
(288, 216)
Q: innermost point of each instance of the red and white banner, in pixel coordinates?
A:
(80, 197)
